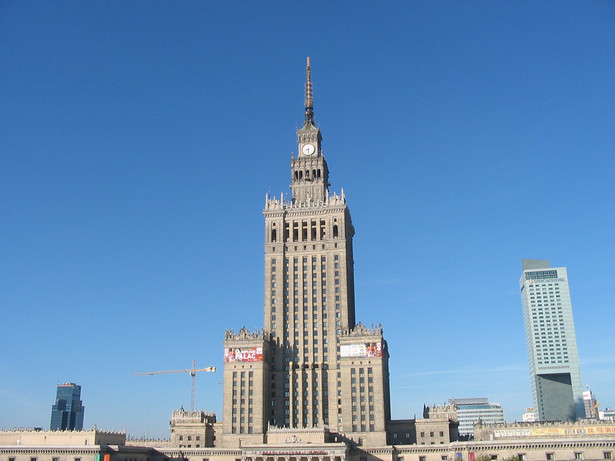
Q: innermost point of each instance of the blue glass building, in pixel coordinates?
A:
(67, 412)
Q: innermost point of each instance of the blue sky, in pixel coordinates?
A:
(138, 141)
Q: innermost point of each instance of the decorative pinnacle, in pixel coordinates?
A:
(309, 103)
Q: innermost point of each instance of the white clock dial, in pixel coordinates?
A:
(308, 149)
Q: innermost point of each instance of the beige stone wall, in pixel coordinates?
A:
(245, 384)
(583, 429)
(562, 449)
(34, 437)
(57, 453)
(192, 429)
(432, 432)
(364, 386)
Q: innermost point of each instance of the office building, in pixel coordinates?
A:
(608, 414)
(529, 416)
(312, 365)
(67, 412)
(471, 411)
(466, 413)
(551, 342)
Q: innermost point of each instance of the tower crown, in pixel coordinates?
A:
(309, 101)
(310, 176)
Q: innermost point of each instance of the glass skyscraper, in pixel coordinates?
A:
(67, 412)
(551, 342)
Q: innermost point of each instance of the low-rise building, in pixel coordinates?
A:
(192, 428)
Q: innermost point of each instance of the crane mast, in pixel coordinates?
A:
(193, 371)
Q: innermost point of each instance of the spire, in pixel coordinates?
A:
(309, 103)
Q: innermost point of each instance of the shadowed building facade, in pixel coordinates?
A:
(551, 342)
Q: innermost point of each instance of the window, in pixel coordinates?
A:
(608, 455)
(550, 456)
(578, 455)
(422, 458)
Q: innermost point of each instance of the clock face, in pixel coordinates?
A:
(308, 149)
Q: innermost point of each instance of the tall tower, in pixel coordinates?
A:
(325, 369)
(551, 342)
(67, 412)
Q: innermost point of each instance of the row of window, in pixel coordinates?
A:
(549, 456)
(304, 232)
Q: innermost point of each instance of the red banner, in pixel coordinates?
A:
(236, 354)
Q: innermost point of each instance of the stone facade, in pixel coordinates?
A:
(192, 429)
(366, 375)
(583, 429)
(52, 438)
(246, 379)
(94, 445)
(436, 431)
(312, 366)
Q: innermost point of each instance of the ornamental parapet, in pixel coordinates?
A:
(182, 416)
(149, 443)
(544, 429)
(274, 203)
(244, 335)
(361, 330)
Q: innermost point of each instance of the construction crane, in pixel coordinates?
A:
(192, 372)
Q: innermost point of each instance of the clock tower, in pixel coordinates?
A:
(313, 368)
(310, 174)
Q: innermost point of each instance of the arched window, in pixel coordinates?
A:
(274, 235)
(335, 231)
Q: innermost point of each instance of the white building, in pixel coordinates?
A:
(529, 416)
(551, 342)
(471, 411)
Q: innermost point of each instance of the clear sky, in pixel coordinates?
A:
(138, 140)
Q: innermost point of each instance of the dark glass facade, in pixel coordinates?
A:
(67, 412)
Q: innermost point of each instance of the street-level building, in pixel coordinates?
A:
(92, 445)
